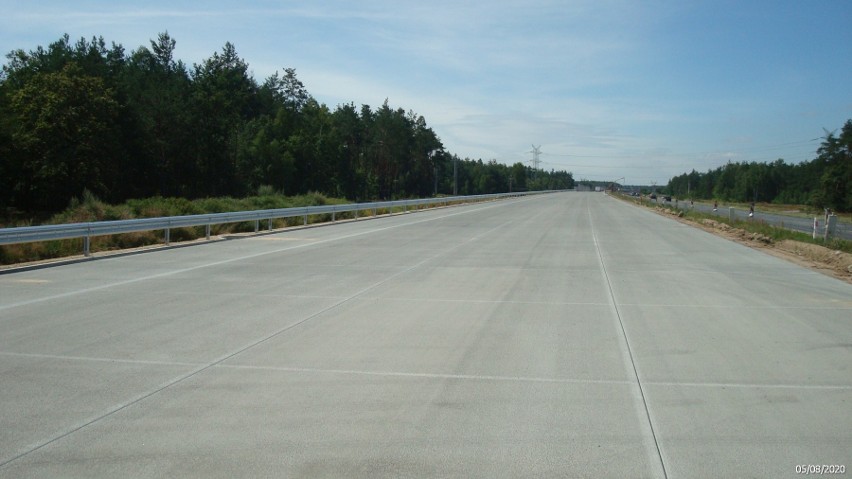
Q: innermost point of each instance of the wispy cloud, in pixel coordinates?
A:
(653, 87)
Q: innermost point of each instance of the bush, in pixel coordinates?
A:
(266, 190)
(89, 208)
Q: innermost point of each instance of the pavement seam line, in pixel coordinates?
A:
(815, 387)
(740, 307)
(221, 359)
(476, 377)
(97, 359)
(614, 305)
(487, 377)
(490, 377)
(482, 377)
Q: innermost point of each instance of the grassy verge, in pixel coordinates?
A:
(90, 208)
(759, 227)
(799, 211)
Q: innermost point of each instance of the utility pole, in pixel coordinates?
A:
(435, 165)
(436, 182)
(455, 175)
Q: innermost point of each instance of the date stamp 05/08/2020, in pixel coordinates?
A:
(820, 469)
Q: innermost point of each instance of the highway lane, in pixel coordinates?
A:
(566, 335)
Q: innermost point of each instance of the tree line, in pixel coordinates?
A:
(84, 116)
(824, 182)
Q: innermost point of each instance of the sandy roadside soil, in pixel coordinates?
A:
(819, 258)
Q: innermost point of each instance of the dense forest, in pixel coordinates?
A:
(82, 116)
(824, 182)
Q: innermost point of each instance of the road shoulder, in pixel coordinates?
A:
(837, 264)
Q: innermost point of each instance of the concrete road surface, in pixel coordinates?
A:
(568, 335)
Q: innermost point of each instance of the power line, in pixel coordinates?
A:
(690, 161)
(740, 150)
(597, 166)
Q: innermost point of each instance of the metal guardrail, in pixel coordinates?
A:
(841, 230)
(28, 234)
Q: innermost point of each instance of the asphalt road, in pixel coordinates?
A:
(795, 223)
(569, 335)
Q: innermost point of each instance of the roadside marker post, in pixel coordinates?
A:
(830, 226)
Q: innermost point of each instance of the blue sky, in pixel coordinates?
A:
(643, 90)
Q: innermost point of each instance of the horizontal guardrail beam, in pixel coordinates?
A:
(30, 234)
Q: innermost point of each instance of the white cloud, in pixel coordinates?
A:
(610, 81)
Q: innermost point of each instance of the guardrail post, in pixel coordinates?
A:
(332, 214)
(356, 214)
(305, 219)
(167, 236)
(207, 231)
(269, 224)
(86, 245)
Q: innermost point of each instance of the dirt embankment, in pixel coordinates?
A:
(819, 258)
